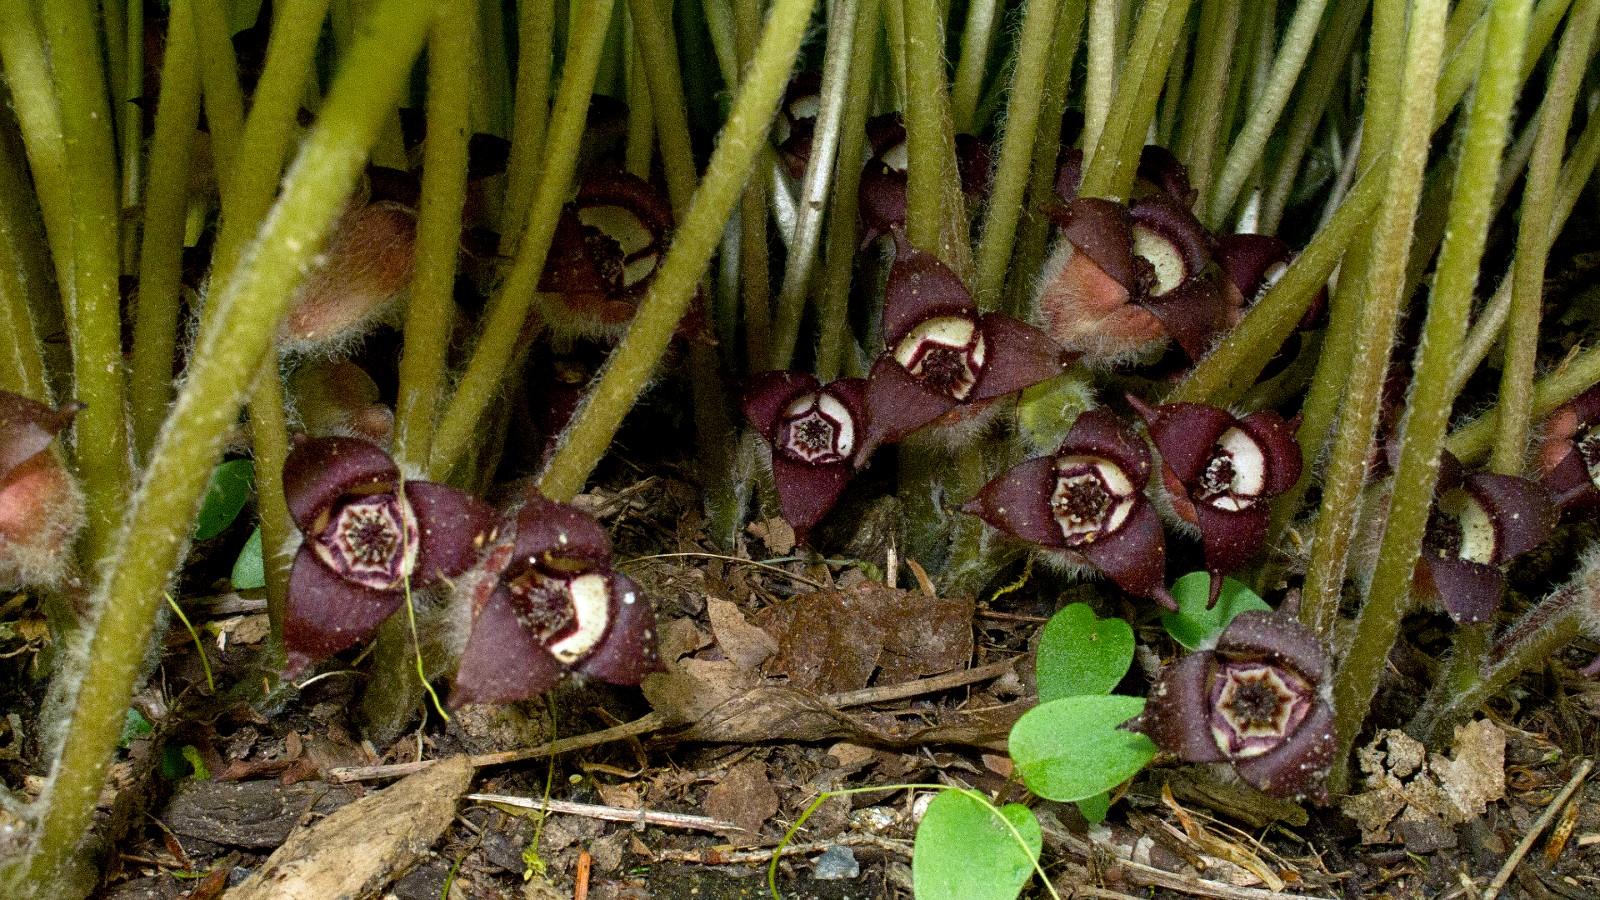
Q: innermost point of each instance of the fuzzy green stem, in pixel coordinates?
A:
(444, 186)
(640, 145)
(130, 126)
(96, 299)
(1016, 149)
(219, 80)
(894, 34)
(755, 265)
(1101, 79)
(1109, 171)
(269, 446)
(27, 69)
(151, 542)
(660, 54)
(22, 369)
(508, 312)
(977, 39)
(936, 217)
(1207, 90)
(1251, 142)
(535, 36)
(814, 186)
(1172, 95)
(1533, 245)
(629, 367)
(155, 326)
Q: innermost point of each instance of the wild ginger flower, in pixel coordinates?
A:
(943, 355)
(1220, 470)
(41, 508)
(1260, 699)
(366, 268)
(882, 192)
(1251, 264)
(546, 604)
(816, 434)
(797, 121)
(608, 243)
(368, 537)
(1569, 452)
(1086, 505)
(1123, 281)
(1159, 173)
(1480, 522)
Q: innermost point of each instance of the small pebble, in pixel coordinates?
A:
(836, 863)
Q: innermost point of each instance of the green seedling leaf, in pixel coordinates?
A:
(1192, 625)
(1075, 748)
(249, 572)
(965, 851)
(1081, 653)
(1046, 411)
(1094, 809)
(135, 726)
(227, 494)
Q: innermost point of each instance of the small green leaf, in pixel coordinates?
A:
(1081, 653)
(226, 495)
(1074, 748)
(1192, 625)
(1094, 809)
(1046, 411)
(191, 754)
(249, 572)
(964, 851)
(135, 726)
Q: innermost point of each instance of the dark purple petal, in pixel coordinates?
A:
(1099, 432)
(1018, 503)
(1278, 639)
(503, 661)
(627, 653)
(1299, 764)
(974, 164)
(1069, 172)
(807, 492)
(852, 392)
(27, 427)
(1521, 510)
(1161, 171)
(1185, 434)
(1177, 715)
(559, 537)
(452, 527)
(1248, 259)
(769, 394)
(321, 470)
(327, 613)
(898, 404)
(1569, 483)
(1134, 555)
(1103, 231)
(1193, 313)
(920, 287)
(570, 265)
(1018, 356)
(1279, 448)
(1468, 591)
(1231, 537)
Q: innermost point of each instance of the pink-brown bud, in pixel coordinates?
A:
(41, 508)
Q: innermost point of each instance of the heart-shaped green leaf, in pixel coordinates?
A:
(1094, 809)
(1074, 748)
(965, 851)
(1081, 653)
(225, 497)
(249, 572)
(1192, 625)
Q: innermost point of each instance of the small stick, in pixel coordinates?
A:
(580, 890)
(1504, 875)
(726, 855)
(609, 813)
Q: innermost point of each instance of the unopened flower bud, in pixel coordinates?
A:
(41, 508)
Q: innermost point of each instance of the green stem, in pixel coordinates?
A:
(640, 147)
(22, 49)
(22, 369)
(155, 327)
(1101, 78)
(840, 253)
(130, 125)
(1207, 89)
(1471, 442)
(1016, 149)
(269, 445)
(1251, 142)
(936, 217)
(977, 39)
(660, 54)
(96, 299)
(219, 80)
(248, 308)
(755, 265)
(1172, 95)
(1109, 171)
(814, 186)
(629, 367)
(508, 312)
(1533, 244)
(535, 36)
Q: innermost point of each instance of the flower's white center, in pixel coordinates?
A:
(371, 541)
(591, 608)
(1270, 277)
(895, 157)
(1236, 473)
(1474, 524)
(817, 429)
(1162, 254)
(1255, 707)
(1092, 498)
(945, 353)
(805, 107)
(620, 224)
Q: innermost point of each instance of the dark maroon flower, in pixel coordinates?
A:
(817, 436)
(882, 193)
(797, 121)
(547, 604)
(608, 243)
(1259, 700)
(942, 355)
(1159, 173)
(1251, 264)
(1569, 452)
(41, 508)
(1480, 522)
(1220, 470)
(1124, 280)
(368, 534)
(1086, 503)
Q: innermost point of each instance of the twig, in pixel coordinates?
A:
(651, 722)
(581, 890)
(1504, 875)
(725, 855)
(609, 813)
(801, 579)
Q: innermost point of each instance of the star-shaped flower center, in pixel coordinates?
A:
(1589, 451)
(1235, 475)
(945, 354)
(371, 541)
(1255, 706)
(1460, 528)
(817, 429)
(1092, 498)
(568, 615)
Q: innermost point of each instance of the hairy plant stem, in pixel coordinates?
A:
(95, 299)
(1109, 171)
(155, 324)
(936, 214)
(130, 127)
(1251, 143)
(1172, 94)
(619, 383)
(839, 251)
(660, 56)
(1101, 78)
(977, 40)
(27, 69)
(1206, 90)
(153, 537)
(1533, 243)
(800, 261)
(507, 314)
(535, 36)
(1427, 412)
(219, 80)
(639, 148)
(754, 263)
(22, 368)
(1016, 149)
